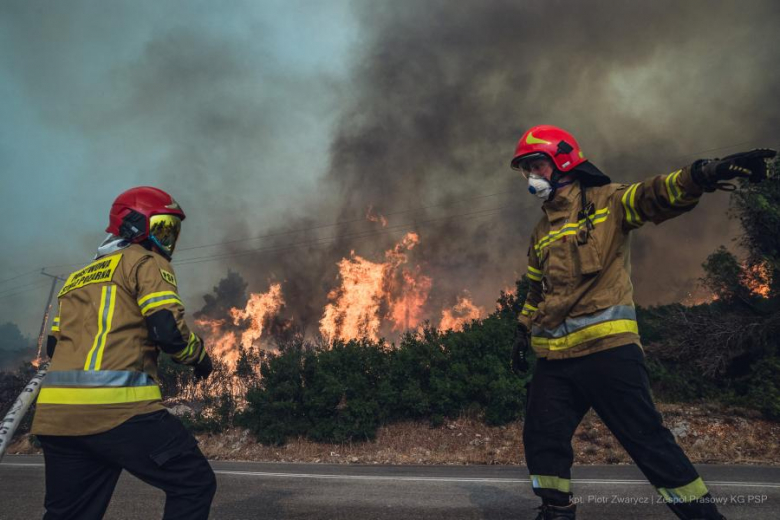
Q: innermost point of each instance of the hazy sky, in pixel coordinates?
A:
(268, 116)
(229, 108)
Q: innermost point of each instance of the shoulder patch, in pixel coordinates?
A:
(168, 277)
(99, 271)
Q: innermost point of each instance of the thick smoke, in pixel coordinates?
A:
(441, 91)
(199, 101)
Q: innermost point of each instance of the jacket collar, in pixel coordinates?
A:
(561, 205)
(111, 244)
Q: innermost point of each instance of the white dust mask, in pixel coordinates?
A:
(539, 186)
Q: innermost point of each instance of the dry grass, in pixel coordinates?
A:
(708, 434)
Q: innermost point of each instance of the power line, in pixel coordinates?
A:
(323, 226)
(19, 276)
(340, 222)
(313, 228)
(37, 284)
(316, 242)
(12, 289)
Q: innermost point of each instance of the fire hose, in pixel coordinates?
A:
(19, 409)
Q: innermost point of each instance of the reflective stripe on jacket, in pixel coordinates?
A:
(581, 297)
(104, 368)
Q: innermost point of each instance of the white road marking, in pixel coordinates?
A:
(324, 476)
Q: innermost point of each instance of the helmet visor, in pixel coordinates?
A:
(532, 163)
(164, 231)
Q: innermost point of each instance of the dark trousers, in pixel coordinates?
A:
(615, 383)
(82, 472)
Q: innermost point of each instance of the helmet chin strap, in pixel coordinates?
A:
(554, 182)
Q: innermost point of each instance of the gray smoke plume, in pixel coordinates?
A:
(442, 90)
(197, 100)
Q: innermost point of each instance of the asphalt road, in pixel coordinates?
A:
(251, 490)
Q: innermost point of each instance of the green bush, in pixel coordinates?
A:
(345, 392)
(764, 387)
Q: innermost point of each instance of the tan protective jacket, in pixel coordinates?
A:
(581, 298)
(104, 368)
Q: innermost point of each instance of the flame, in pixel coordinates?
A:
(757, 278)
(375, 218)
(699, 296)
(223, 342)
(353, 311)
(354, 308)
(220, 343)
(406, 310)
(259, 308)
(459, 314)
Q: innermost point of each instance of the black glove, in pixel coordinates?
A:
(204, 368)
(519, 350)
(752, 165)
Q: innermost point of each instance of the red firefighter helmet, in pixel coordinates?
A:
(147, 213)
(547, 140)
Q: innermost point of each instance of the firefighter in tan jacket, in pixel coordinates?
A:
(580, 320)
(99, 410)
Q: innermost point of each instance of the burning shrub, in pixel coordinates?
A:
(344, 391)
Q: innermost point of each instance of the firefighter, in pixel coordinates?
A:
(99, 410)
(580, 320)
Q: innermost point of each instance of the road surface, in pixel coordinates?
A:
(274, 491)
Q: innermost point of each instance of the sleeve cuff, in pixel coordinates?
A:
(686, 182)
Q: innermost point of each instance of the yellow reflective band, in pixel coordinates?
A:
(189, 349)
(570, 229)
(154, 300)
(549, 482)
(675, 193)
(156, 295)
(534, 274)
(671, 189)
(631, 214)
(55, 328)
(599, 330)
(105, 316)
(110, 318)
(687, 493)
(116, 395)
(528, 309)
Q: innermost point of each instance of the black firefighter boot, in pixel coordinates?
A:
(550, 512)
(701, 509)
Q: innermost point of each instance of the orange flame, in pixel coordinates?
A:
(259, 309)
(406, 310)
(375, 218)
(758, 279)
(699, 296)
(353, 311)
(464, 311)
(220, 343)
(354, 308)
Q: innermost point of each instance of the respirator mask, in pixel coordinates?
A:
(539, 186)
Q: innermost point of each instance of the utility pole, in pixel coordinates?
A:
(47, 310)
